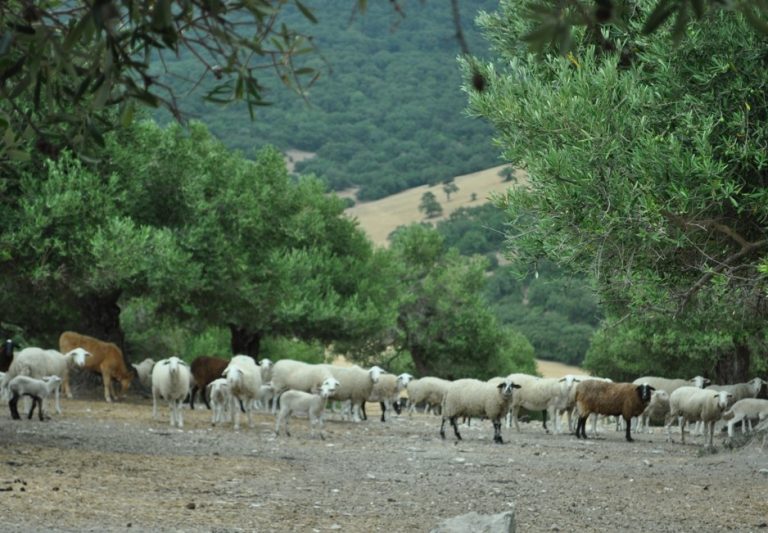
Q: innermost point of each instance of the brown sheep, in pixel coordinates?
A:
(106, 359)
(205, 369)
(613, 399)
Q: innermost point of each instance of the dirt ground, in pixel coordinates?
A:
(111, 467)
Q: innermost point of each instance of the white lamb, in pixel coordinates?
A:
(294, 402)
(37, 363)
(220, 397)
(37, 389)
(171, 379)
(747, 410)
(355, 385)
(387, 392)
(265, 365)
(144, 372)
(244, 379)
(427, 390)
(297, 375)
(475, 398)
(691, 404)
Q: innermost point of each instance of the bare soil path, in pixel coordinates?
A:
(102, 467)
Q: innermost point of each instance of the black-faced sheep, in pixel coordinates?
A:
(613, 399)
(472, 397)
(37, 389)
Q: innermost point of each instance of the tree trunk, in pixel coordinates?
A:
(734, 367)
(101, 319)
(244, 341)
(420, 361)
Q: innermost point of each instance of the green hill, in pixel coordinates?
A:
(387, 116)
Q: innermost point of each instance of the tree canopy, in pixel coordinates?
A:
(647, 172)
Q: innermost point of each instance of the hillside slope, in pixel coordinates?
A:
(381, 217)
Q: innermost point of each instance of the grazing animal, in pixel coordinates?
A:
(106, 359)
(428, 390)
(612, 399)
(170, 381)
(297, 375)
(221, 398)
(244, 380)
(472, 397)
(37, 389)
(313, 404)
(6, 355)
(38, 363)
(205, 369)
(691, 404)
(746, 410)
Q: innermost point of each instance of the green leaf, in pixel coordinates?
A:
(659, 15)
(308, 14)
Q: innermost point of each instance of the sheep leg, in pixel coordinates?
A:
(363, 414)
(383, 410)
(455, 427)
(192, 394)
(442, 429)
(58, 403)
(682, 421)
(497, 432)
(581, 424)
(13, 404)
(628, 424)
(544, 415)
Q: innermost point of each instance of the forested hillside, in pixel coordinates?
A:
(386, 114)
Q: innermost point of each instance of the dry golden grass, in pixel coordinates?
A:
(381, 217)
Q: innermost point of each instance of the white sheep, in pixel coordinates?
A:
(541, 394)
(740, 391)
(671, 385)
(265, 396)
(220, 397)
(36, 363)
(265, 365)
(144, 372)
(475, 398)
(244, 379)
(297, 375)
(37, 389)
(746, 409)
(171, 379)
(428, 390)
(691, 404)
(658, 408)
(387, 392)
(355, 385)
(313, 404)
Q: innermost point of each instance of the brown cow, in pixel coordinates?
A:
(106, 359)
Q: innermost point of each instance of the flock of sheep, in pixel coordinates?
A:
(287, 387)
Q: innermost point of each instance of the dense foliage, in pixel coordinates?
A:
(387, 112)
(648, 171)
(556, 312)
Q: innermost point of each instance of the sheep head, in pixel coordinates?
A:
(78, 356)
(375, 372)
(403, 380)
(644, 392)
(723, 399)
(507, 387)
(328, 387)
